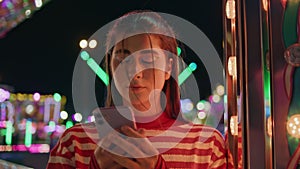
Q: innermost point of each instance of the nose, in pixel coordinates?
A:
(134, 69)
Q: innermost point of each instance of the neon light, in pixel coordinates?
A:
(98, 70)
(69, 124)
(38, 3)
(4, 95)
(56, 111)
(57, 97)
(36, 96)
(3, 112)
(95, 67)
(84, 55)
(186, 73)
(11, 111)
(28, 135)
(9, 131)
(52, 126)
(34, 148)
(234, 125)
(178, 51)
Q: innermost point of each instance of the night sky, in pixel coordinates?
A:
(40, 53)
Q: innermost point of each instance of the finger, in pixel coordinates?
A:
(123, 161)
(141, 131)
(116, 166)
(131, 149)
(140, 140)
(131, 132)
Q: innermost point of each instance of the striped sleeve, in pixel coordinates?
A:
(74, 148)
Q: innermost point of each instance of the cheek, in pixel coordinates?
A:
(159, 77)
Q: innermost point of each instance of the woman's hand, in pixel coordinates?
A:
(104, 161)
(134, 151)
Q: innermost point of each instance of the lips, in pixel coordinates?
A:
(136, 88)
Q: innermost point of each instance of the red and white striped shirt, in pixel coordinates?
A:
(180, 146)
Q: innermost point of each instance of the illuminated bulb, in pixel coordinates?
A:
(92, 118)
(200, 105)
(230, 9)
(29, 109)
(216, 98)
(4, 95)
(27, 12)
(201, 115)
(36, 96)
(232, 66)
(83, 43)
(265, 4)
(57, 97)
(38, 3)
(189, 106)
(293, 125)
(234, 125)
(186, 105)
(77, 117)
(92, 43)
(269, 126)
(63, 115)
(220, 90)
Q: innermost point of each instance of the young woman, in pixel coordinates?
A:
(142, 64)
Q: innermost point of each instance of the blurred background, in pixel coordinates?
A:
(39, 45)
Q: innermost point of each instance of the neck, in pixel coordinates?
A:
(145, 109)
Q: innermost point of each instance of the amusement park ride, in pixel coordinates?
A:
(262, 40)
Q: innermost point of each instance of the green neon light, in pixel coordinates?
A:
(84, 55)
(95, 67)
(178, 51)
(186, 73)
(69, 124)
(98, 70)
(51, 124)
(57, 97)
(9, 131)
(28, 135)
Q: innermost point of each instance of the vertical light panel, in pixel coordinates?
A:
(28, 135)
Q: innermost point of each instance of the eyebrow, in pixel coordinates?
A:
(125, 51)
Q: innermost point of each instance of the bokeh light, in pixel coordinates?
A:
(63, 115)
(77, 117)
(57, 97)
(293, 126)
(36, 96)
(83, 43)
(93, 43)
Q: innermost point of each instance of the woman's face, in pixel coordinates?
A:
(139, 69)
